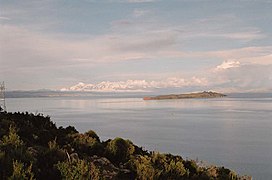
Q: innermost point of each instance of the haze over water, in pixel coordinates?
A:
(148, 46)
(234, 132)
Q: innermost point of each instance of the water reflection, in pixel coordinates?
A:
(234, 132)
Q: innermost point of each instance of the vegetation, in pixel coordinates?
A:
(32, 147)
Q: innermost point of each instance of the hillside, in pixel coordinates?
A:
(32, 147)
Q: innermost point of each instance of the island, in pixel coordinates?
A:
(204, 94)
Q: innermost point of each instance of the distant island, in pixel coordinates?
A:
(204, 94)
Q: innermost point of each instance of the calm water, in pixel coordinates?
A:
(234, 132)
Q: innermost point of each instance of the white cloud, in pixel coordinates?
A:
(242, 53)
(23, 50)
(231, 76)
(36, 52)
(140, 12)
(247, 35)
(138, 1)
(35, 49)
(4, 18)
(149, 41)
(132, 1)
(228, 64)
(228, 27)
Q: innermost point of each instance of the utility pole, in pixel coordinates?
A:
(2, 96)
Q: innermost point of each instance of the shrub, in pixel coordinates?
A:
(192, 167)
(158, 166)
(92, 134)
(227, 174)
(119, 150)
(78, 169)
(20, 172)
(87, 144)
(12, 139)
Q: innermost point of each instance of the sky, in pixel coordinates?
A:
(136, 45)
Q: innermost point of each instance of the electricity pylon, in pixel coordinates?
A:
(2, 96)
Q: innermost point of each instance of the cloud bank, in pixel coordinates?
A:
(195, 47)
(230, 76)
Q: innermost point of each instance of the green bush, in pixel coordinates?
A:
(78, 169)
(20, 172)
(87, 144)
(120, 150)
(158, 166)
(227, 174)
(12, 148)
(92, 134)
(12, 139)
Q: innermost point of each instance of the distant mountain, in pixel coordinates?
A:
(107, 86)
(137, 85)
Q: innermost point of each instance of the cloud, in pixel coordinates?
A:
(134, 40)
(235, 77)
(135, 1)
(244, 52)
(140, 1)
(226, 26)
(140, 12)
(37, 53)
(246, 35)
(32, 48)
(4, 18)
(232, 77)
(228, 64)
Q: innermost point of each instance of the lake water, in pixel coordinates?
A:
(233, 132)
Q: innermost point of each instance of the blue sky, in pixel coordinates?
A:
(138, 45)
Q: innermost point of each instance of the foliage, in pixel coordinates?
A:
(87, 144)
(120, 150)
(31, 146)
(12, 138)
(224, 173)
(76, 169)
(20, 172)
(159, 166)
(92, 134)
